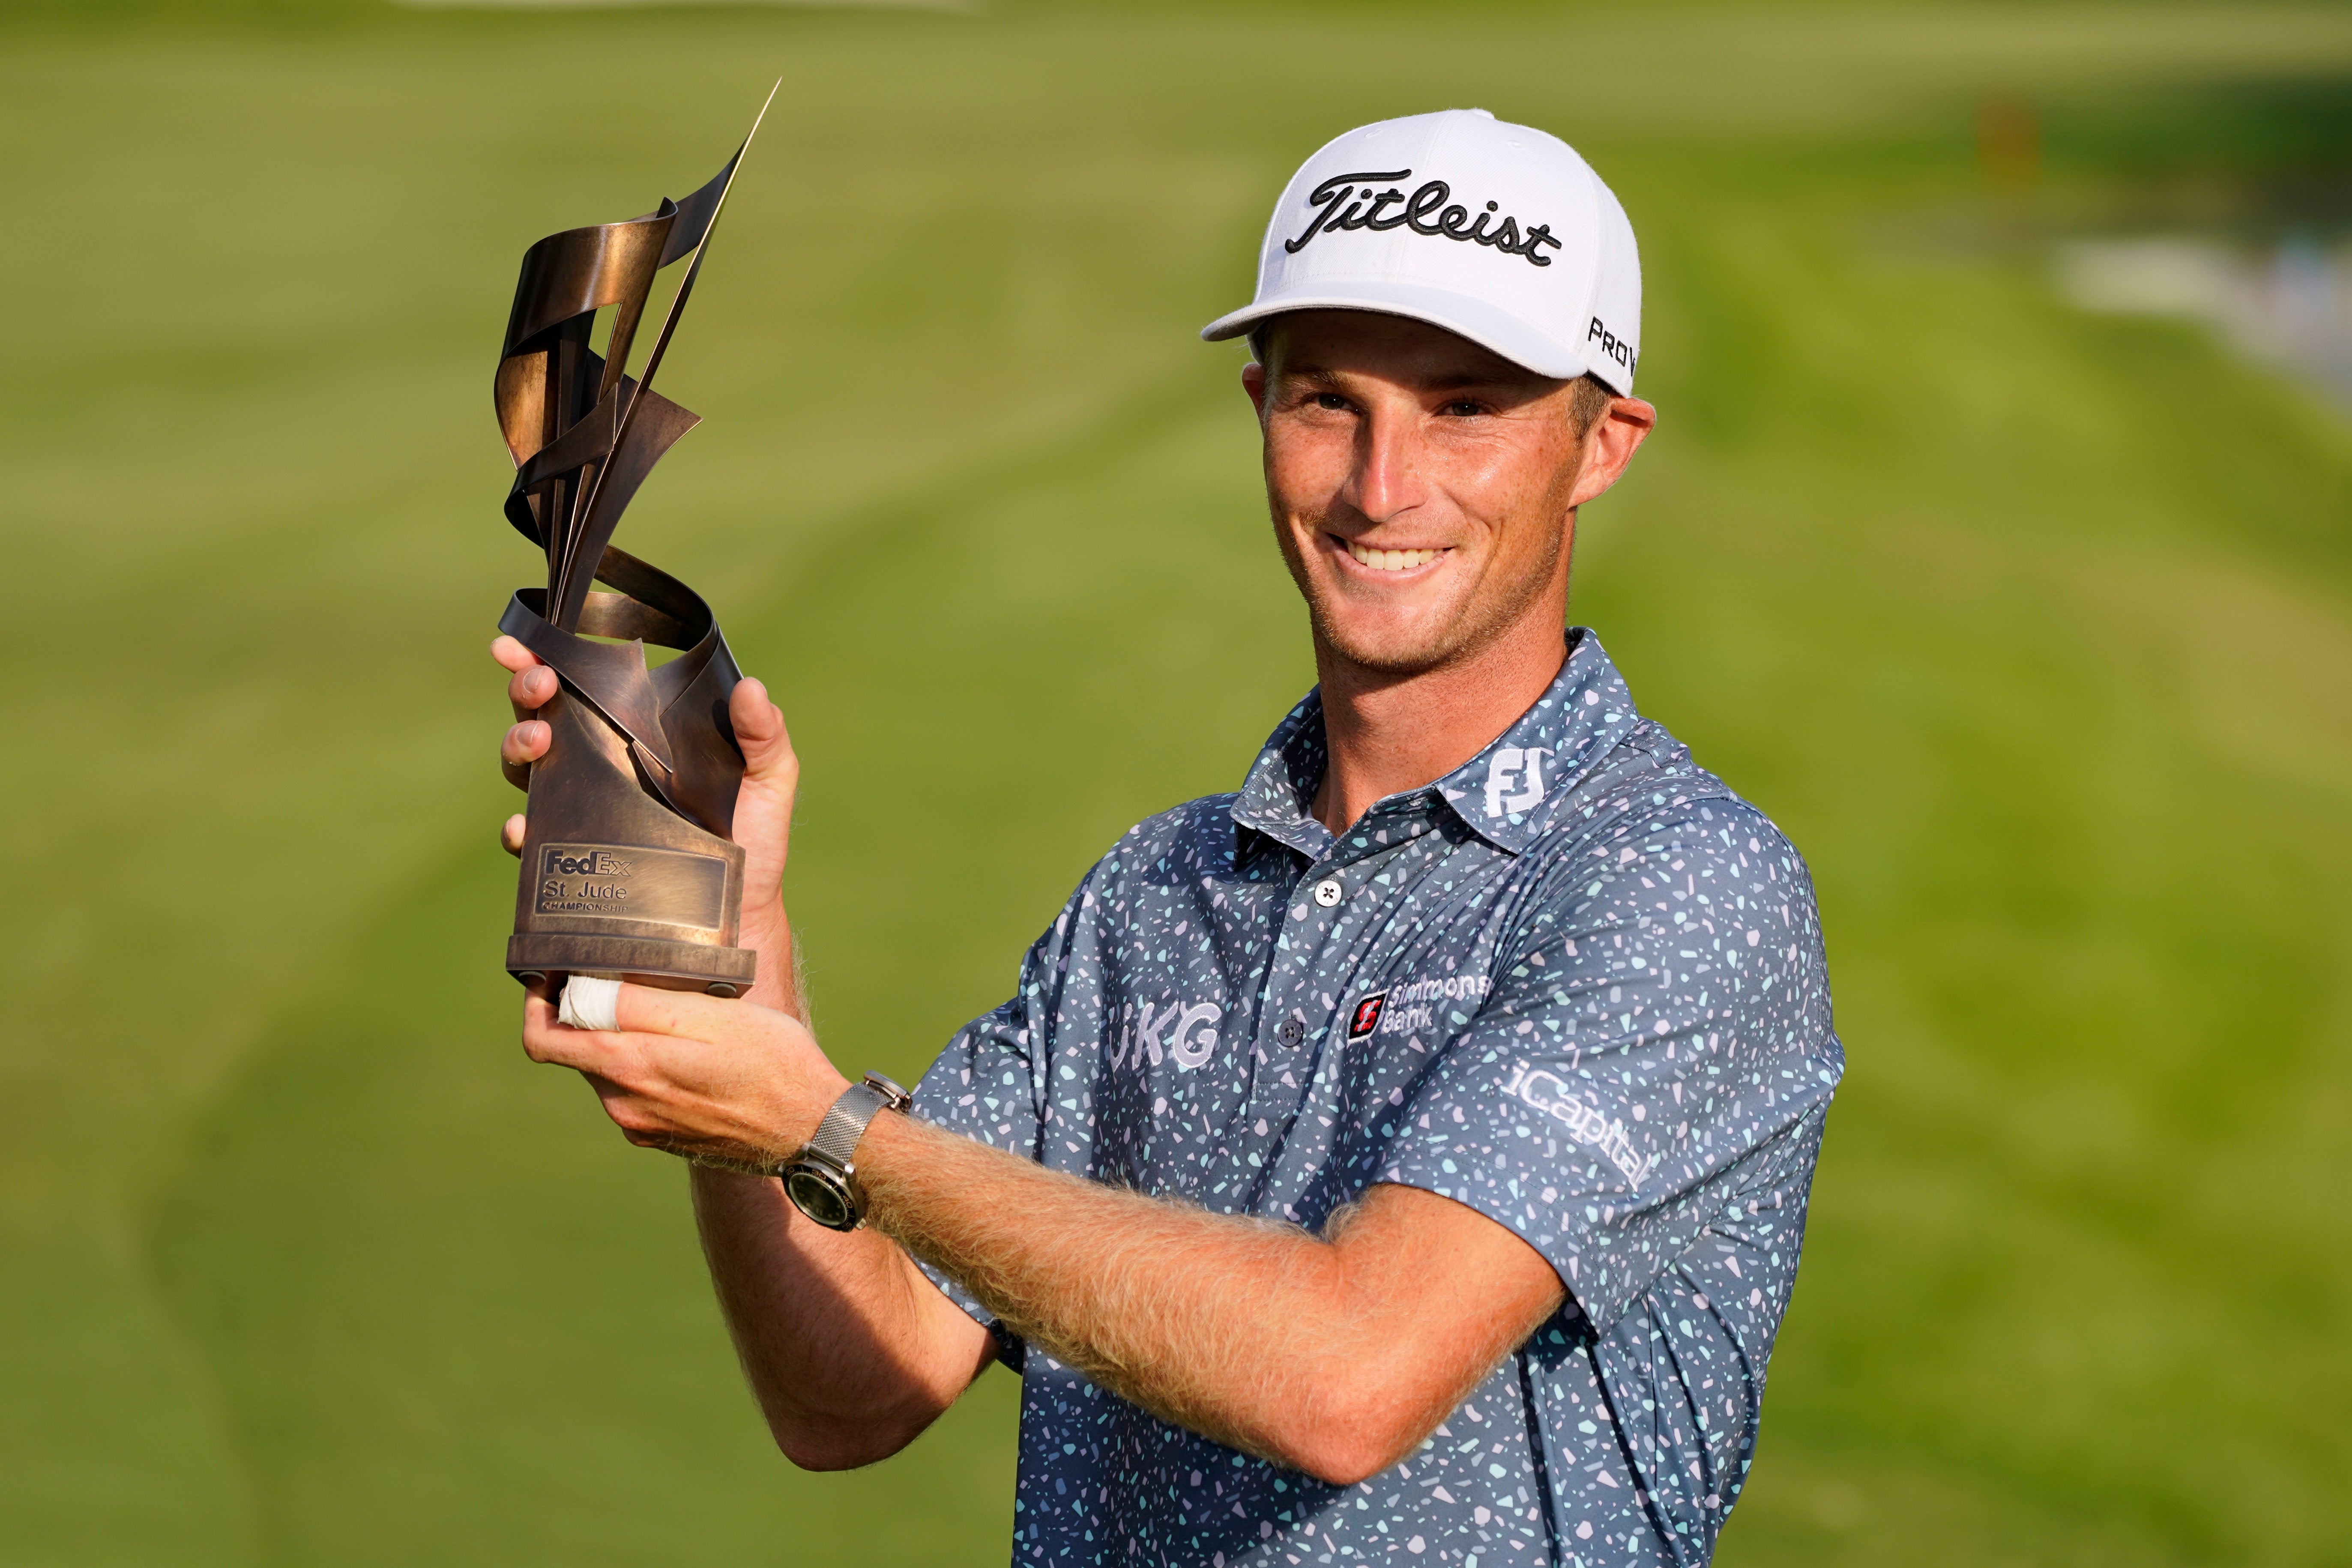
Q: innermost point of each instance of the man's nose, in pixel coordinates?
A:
(1385, 482)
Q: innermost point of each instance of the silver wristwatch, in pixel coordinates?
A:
(822, 1179)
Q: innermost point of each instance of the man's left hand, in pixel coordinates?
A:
(728, 1081)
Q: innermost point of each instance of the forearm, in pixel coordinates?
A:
(849, 1350)
(1247, 1331)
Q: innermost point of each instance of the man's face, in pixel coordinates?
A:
(1422, 489)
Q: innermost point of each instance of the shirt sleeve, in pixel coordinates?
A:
(1660, 1013)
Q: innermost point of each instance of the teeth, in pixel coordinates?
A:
(1391, 560)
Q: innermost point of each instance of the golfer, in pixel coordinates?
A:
(1403, 1158)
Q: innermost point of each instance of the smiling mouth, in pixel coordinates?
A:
(1389, 560)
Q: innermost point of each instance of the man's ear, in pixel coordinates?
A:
(1626, 423)
(1253, 382)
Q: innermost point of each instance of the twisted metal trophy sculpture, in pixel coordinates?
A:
(627, 869)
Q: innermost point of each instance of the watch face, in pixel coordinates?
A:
(821, 1199)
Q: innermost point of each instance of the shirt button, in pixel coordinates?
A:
(1329, 892)
(1291, 1032)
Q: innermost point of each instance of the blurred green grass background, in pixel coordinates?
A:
(2034, 630)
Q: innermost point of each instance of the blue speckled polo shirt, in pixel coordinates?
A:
(1576, 984)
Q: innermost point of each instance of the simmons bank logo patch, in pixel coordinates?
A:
(1418, 1004)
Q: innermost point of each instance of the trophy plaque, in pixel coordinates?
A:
(628, 871)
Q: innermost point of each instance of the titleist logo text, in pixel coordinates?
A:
(1355, 201)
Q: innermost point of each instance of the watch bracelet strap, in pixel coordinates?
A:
(845, 1122)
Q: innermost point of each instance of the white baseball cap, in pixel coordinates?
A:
(1495, 231)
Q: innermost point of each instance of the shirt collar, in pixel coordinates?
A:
(1278, 795)
(1505, 794)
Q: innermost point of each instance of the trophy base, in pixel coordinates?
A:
(614, 883)
(537, 957)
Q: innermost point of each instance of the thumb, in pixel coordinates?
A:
(759, 731)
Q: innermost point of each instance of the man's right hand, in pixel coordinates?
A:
(763, 802)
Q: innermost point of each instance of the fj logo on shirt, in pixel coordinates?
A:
(1550, 1093)
(1515, 780)
(1358, 201)
(1191, 1042)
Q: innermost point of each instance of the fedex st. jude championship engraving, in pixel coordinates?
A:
(659, 887)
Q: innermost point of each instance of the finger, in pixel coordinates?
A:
(678, 1014)
(525, 742)
(531, 689)
(644, 1127)
(510, 834)
(759, 726)
(511, 654)
(553, 1043)
(634, 1117)
(520, 747)
(645, 1123)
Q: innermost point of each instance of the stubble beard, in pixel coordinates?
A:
(1479, 620)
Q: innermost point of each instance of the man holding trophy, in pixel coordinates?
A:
(1403, 1156)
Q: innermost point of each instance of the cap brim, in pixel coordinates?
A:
(1464, 315)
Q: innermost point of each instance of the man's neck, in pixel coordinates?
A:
(1387, 733)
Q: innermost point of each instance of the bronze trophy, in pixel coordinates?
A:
(627, 868)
